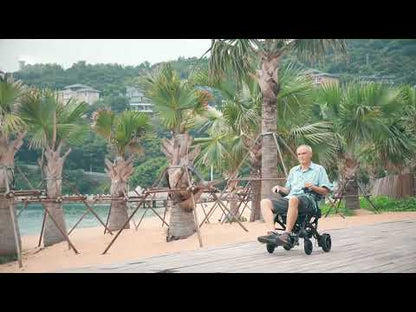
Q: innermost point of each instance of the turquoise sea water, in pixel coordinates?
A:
(30, 220)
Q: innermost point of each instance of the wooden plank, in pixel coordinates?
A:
(383, 247)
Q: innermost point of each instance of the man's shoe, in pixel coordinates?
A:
(270, 236)
(281, 240)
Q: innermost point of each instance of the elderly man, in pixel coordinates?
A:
(306, 175)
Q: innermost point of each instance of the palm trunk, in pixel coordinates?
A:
(119, 173)
(7, 237)
(53, 173)
(256, 192)
(352, 200)
(348, 169)
(234, 202)
(182, 222)
(268, 83)
(255, 173)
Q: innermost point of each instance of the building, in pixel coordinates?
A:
(22, 64)
(80, 92)
(138, 101)
(320, 78)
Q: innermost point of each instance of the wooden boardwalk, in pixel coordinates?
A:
(382, 247)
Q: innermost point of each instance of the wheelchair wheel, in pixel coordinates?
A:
(326, 242)
(307, 246)
(287, 247)
(270, 248)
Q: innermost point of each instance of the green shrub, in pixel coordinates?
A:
(8, 258)
(384, 203)
(342, 209)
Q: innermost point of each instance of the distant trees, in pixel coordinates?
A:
(379, 57)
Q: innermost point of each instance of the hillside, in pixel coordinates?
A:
(394, 59)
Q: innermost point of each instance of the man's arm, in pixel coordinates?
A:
(320, 190)
(282, 189)
(285, 189)
(323, 182)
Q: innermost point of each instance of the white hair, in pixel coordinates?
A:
(305, 146)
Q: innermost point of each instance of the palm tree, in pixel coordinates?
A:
(12, 131)
(240, 55)
(232, 130)
(123, 133)
(177, 103)
(408, 119)
(52, 126)
(363, 119)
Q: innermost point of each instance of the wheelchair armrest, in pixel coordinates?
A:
(315, 194)
(282, 194)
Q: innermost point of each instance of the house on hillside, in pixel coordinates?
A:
(138, 101)
(320, 78)
(80, 92)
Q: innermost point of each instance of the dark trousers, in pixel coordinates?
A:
(306, 205)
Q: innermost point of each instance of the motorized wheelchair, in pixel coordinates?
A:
(306, 227)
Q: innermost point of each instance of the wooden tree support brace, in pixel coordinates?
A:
(122, 228)
(90, 209)
(60, 229)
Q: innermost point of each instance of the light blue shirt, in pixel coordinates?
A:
(315, 174)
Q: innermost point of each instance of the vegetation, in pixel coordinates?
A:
(384, 203)
(385, 57)
(52, 127)
(123, 133)
(371, 59)
(177, 104)
(261, 60)
(308, 120)
(12, 131)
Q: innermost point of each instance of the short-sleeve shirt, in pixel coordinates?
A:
(315, 174)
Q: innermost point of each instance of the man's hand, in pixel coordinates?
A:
(276, 189)
(309, 186)
(280, 189)
(317, 189)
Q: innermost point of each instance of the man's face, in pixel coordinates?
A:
(304, 156)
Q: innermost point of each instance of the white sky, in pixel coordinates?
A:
(65, 52)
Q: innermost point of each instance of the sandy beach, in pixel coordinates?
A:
(150, 240)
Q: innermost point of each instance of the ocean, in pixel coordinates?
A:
(30, 219)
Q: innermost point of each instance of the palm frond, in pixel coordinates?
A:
(235, 55)
(171, 96)
(103, 121)
(73, 111)
(213, 152)
(38, 108)
(10, 123)
(308, 49)
(10, 94)
(76, 136)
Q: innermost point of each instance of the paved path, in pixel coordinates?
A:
(381, 247)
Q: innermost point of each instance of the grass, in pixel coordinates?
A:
(342, 209)
(382, 203)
